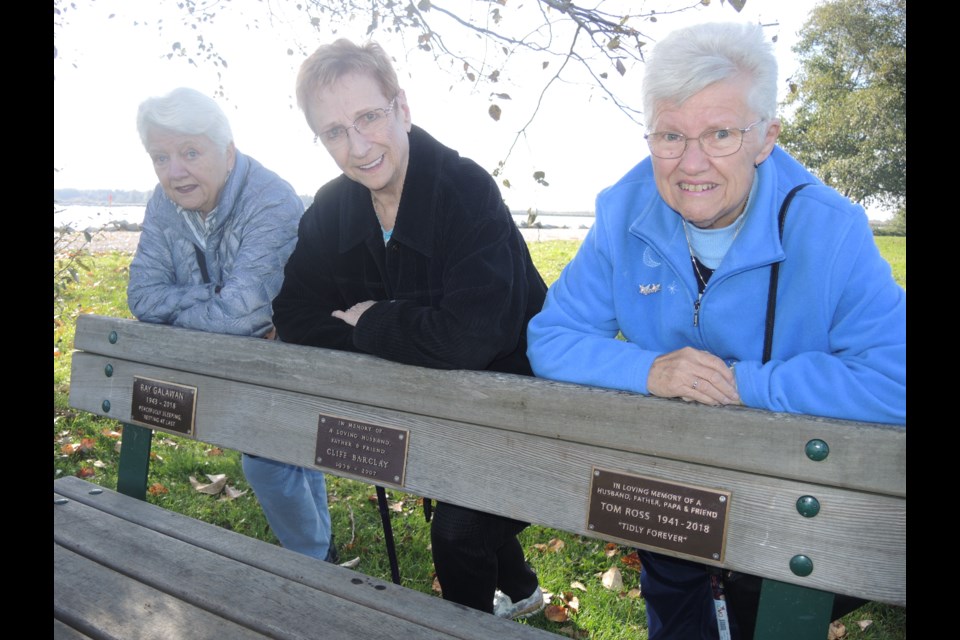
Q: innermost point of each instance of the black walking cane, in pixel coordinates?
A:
(388, 534)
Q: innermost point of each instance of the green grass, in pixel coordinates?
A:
(86, 445)
(894, 249)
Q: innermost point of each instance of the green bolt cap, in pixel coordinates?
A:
(108, 370)
(817, 450)
(801, 565)
(113, 337)
(808, 506)
(106, 406)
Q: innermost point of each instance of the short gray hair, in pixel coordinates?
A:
(332, 61)
(691, 59)
(185, 111)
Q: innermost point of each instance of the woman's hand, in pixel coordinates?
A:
(694, 376)
(352, 315)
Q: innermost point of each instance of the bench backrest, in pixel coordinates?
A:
(807, 501)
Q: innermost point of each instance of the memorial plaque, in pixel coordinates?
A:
(664, 515)
(371, 451)
(163, 405)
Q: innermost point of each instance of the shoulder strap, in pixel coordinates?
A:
(775, 276)
(202, 261)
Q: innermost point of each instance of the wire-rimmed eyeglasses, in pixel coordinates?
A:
(368, 123)
(716, 143)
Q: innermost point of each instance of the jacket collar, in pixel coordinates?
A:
(659, 224)
(232, 188)
(416, 218)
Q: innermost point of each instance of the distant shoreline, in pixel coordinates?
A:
(125, 241)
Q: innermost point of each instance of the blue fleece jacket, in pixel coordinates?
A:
(839, 347)
(255, 232)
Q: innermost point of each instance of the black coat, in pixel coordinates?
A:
(455, 285)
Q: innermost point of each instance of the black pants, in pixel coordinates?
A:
(475, 553)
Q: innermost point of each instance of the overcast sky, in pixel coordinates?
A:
(105, 66)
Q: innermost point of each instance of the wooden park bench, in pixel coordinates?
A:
(812, 505)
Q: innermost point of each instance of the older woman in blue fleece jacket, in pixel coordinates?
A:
(679, 262)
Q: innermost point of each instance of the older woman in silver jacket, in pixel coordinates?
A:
(216, 235)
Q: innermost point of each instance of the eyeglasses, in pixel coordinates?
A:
(716, 143)
(368, 124)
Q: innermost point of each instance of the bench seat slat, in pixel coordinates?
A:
(109, 604)
(257, 585)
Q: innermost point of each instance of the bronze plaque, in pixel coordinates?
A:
(371, 451)
(164, 405)
(660, 515)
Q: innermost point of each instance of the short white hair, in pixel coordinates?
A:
(185, 111)
(689, 60)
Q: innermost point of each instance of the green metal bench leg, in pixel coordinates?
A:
(134, 461)
(791, 612)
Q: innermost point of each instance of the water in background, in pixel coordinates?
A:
(94, 217)
(116, 217)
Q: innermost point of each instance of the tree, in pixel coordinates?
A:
(848, 105)
(598, 44)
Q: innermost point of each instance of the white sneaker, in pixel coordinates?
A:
(504, 607)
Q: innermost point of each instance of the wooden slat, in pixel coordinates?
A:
(62, 631)
(393, 611)
(107, 604)
(851, 553)
(862, 456)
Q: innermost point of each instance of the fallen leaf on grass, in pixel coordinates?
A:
(631, 560)
(212, 488)
(86, 444)
(573, 603)
(576, 584)
(540, 546)
(215, 451)
(169, 442)
(836, 631)
(229, 493)
(118, 446)
(634, 593)
(396, 506)
(436, 586)
(110, 433)
(611, 550)
(864, 624)
(350, 564)
(86, 472)
(70, 448)
(555, 613)
(555, 545)
(99, 464)
(157, 489)
(612, 579)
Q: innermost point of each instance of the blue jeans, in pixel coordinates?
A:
(294, 499)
